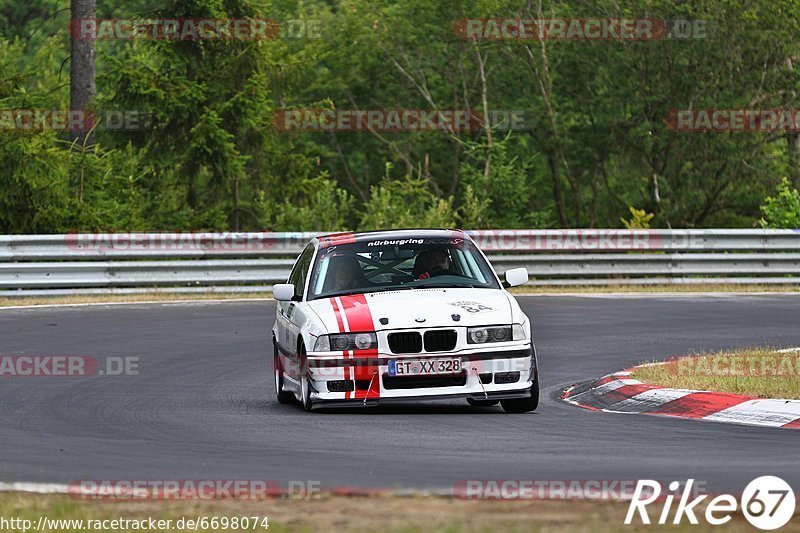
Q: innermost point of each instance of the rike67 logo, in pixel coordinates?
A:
(767, 502)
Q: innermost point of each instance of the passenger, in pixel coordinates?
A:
(435, 262)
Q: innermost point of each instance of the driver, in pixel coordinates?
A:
(435, 262)
(345, 273)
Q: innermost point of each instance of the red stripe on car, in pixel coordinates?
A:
(338, 313)
(340, 325)
(336, 240)
(359, 318)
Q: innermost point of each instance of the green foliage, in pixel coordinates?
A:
(34, 188)
(406, 203)
(475, 210)
(320, 206)
(639, 219)
(506, 197)
(783, 209)
(595, 141)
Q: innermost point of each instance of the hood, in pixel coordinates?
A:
(402, 309)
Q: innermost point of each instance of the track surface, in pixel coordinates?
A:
(202, 406)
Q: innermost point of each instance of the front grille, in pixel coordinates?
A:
(486, 378)
(422, 382)
(442, 340)
(405, 342)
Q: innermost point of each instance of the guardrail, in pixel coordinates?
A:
(245, 262)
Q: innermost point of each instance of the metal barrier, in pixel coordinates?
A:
(245, 262)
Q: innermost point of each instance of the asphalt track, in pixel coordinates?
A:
(202, 405)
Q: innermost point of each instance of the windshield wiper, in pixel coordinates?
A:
(447, 286)
(394, 288)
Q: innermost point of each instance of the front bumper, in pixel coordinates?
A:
(371, 402)
(491, 374)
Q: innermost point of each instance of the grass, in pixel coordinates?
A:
(406, 514)
(759, 372)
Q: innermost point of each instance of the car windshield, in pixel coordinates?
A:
(396, 264)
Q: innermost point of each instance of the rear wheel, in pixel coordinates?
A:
(524, 405)
(283, 396)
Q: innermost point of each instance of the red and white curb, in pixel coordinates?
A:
(619, 393)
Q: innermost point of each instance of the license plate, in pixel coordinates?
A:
(423, 367)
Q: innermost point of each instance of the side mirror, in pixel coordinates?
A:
(283, 292)
(516, 277)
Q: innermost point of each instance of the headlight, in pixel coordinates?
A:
(482, 335)
(346, 341)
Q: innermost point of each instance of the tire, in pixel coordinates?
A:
(282, 396)
(305, 389)
(482, 403)
(524, 405)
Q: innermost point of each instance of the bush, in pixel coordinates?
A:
(783, 209)
(321, 206)
(406, 203)
(640, 219)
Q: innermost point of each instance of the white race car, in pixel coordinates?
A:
(368, 318)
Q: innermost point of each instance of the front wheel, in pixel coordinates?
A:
(305, 389)
(524, 405)
(305, 394)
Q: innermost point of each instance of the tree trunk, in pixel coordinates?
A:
(793, 145)
(558, 195)
(792, 138)
(82, 70)
(487, 126)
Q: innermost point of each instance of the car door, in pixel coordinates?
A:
(289, 315)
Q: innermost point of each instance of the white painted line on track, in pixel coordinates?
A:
(38, 488)
(548, 295)
(143, 302)
(644, 295)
